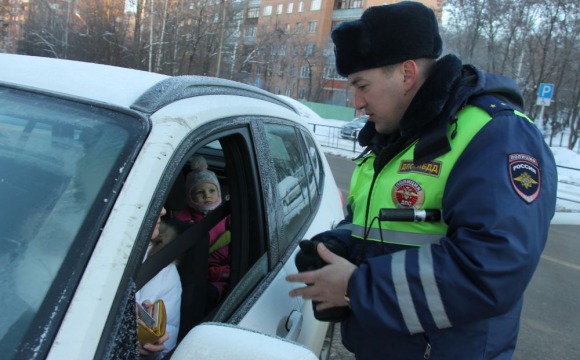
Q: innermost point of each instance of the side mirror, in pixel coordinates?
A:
(217, 341)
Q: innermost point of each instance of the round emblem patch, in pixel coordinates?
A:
(524, 174)
(408, 193)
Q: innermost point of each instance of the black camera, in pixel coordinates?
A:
(308, 259)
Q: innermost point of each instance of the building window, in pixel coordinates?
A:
(291, 70)
(301, 6)
(308, 49)
(288, 91)
(315, 5)
(298, 29)
(312, 26)
(290, 8)
(254, 13)
(279, 9)
(267, 10)
(301, 93)
(278, 90)
(304, 71)
(330, 72)
(250, 31)
(282, 50)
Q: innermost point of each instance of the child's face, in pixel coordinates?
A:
(205, 194)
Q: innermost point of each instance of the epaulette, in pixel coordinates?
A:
(491, 104)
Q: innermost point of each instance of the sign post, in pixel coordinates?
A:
(545, 93)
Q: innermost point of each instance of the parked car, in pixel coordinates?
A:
(351, 129)
(89, 154)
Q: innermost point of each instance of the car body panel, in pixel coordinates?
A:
(171, 128)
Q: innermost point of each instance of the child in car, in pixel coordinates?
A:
(203, 194)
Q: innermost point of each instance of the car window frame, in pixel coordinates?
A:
(218, 129)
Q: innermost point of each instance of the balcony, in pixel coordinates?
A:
(346, 14)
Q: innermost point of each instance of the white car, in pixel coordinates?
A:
(89, 155)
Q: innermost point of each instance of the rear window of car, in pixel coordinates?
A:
(60, 161)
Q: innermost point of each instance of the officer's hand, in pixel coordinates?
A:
(328, 284)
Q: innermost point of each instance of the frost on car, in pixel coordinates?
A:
(58, 158)
(90, 154)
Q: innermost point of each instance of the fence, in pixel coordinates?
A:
(330, 136)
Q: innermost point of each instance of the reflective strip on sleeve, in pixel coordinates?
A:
(434, 301)
(396, 237)
(403, 293)
(345, 227)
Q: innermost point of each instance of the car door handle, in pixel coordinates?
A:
(294, 325)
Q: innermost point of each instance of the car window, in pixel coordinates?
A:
(289, 155)
(230, 156)
(314, 171)
(59, 162)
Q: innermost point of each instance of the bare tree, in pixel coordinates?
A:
(533, 41)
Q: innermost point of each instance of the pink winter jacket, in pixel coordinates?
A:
(219, 260)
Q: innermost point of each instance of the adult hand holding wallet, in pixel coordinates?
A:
(151, 322)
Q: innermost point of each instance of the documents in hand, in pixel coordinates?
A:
(151, 322)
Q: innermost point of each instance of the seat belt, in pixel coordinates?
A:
(180, 244)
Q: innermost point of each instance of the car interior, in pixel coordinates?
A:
(191, 245)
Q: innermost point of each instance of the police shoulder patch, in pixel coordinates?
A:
(524, 173)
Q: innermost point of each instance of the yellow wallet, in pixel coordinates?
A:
(151, 322)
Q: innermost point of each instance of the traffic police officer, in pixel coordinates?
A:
(444, 141)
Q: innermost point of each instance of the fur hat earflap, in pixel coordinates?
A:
(386, 35)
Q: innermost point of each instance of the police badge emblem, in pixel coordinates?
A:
(524, 174)
(408, 193)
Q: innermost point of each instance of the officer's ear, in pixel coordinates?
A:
(410, 71)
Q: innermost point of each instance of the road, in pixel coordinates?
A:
(550, 323)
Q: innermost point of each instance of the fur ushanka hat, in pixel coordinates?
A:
(385, 35)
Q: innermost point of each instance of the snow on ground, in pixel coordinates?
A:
(568, 179)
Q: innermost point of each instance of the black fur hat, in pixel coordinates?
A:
(385, 35)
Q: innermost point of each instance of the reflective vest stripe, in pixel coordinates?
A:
(396, 237)
(427, 275)
(403, 293)
(347, 226)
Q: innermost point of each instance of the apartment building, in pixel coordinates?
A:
(295, 54)
(282, 46)
(12, 15)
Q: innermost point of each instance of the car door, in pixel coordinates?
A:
(257, 297)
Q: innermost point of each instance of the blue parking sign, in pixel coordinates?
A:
(546, 91)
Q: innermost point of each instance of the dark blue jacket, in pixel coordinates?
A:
(496, 231)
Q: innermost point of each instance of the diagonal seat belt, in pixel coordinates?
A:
(180, 244)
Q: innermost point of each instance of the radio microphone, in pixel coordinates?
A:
(411, 214)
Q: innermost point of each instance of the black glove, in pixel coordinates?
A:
(308, 259)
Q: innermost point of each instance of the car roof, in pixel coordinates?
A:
(74, 78)
(127, 88)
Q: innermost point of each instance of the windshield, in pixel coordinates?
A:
(59, 164)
